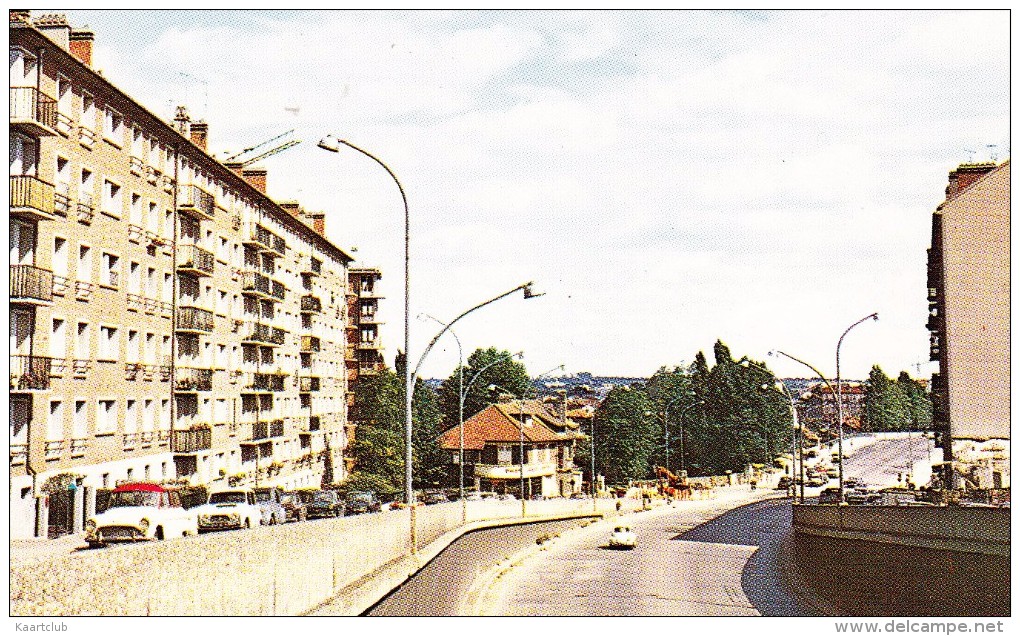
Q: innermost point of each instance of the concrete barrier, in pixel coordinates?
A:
(266, 571)
(957, 529)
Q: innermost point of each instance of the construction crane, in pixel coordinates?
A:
(290, 143)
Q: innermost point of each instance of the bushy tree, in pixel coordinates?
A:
(505, 372)
(624, 435)
(886, 407)
(918, 402)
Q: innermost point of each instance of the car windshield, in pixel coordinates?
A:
(126, 498)
(226, 497)
(263, 495)
(361, 496)
(326, 497)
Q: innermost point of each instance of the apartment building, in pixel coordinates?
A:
(169, 321)
(968, 300)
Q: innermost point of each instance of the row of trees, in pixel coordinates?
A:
(902, 404)
(730, 413)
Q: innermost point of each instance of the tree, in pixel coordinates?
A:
(886, 407)
(919, 407)
(505, 372)
(624, 435)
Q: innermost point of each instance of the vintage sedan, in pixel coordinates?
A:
(323, 503)
(268, 499)
(229, 509)
(623, 537)
(141, 512)
(295, 507)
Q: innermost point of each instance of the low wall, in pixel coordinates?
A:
(273, 570)
(952, 528)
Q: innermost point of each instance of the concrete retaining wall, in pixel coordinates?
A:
(277, 570)
(958, 529)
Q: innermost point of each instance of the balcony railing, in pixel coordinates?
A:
(62, 199)
(197, 202)
(131, 370)
(86, 210)
(190, 441)
(31, 197)
(310, 344)
(194, 319)
(193, 259)
(311, 304)
(311, 265)
(31, 284)
(272, 382)
(307, 384)
(256, 332)
(256, 282)
(30, 373)
(190, 379)
(266, 430)
(279, 290)
(34, 110)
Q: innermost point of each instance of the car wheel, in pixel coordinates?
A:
(247, 523)
(159, 533)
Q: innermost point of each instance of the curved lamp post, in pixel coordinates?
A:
(683, 458)
(799, 429)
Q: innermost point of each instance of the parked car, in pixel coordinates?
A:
(815, 480)
(229, 509)
(268, 500)
(473, 496)
(863, 495)
(429, 497)
(623, 537)
(324, 503)
(853, 482)
(294, 506)
(829, 496)
(141, 512)
(832, 472)
(363, 501)
(784, 483)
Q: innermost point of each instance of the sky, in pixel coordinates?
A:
(667, 179)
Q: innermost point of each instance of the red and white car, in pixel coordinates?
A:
(141, 511)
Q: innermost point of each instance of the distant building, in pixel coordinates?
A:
(492, 445)
(364, 351)
(968, 298)
(817, 408)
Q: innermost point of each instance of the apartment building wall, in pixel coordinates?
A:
(169, 321)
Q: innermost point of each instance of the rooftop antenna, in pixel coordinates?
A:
(970, 155)
(205, 85)
(992, 154)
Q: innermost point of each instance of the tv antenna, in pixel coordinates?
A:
(992, 154)
(970, 155)
(205, 87)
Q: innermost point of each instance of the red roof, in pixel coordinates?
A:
(499, 423)
(146, 486)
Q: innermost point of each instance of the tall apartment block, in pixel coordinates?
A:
(968, 300)
(169, 321)
(364, 348)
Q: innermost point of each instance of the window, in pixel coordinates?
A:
(149, 354)
(59, 256)
(58, 339)
(84, 268)
(137, 143)
(130, 416)
(168, 288)
(164, 414)
(149, 415)
(109, 343)
(55, 424)
(87, 188)
(113, 127)
(152, 218)
(113, 203)
(88, 111)
(134, 278)
(23, 68)
(64, 96)
(62, 187)
(110, 274)
(83, 342)
(80, 425)
(106, 417)
(136, 210)
(133, 346)
(222, 302)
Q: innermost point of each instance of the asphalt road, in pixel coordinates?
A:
(880, 462)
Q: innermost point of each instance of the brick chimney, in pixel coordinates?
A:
(55, 27)
(256, 178)
(200, 135)
(292, 208)
(20, 15)
(80, 46)
(317, 220)
(965, 176)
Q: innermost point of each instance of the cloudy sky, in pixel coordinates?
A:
(667, 178)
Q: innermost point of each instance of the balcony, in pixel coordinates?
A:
(311, 304)
(32, 198)
(258, 237)
(196, 202)
(310, 344)
(369, 319)
(190, 379)
(194, 320)
(264, 382)
(370, 344)
(131, 371)
(86, 210)
(62, 200)
(307, 384)
(33, 112)
(266, 430)
(31, 285)
(192, 259)
(190, 440)
(30, 373)
(258, 333)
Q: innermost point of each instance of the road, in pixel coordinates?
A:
(684, 565)
(879, 462)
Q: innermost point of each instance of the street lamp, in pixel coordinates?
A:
(839, 399)
(683, 459)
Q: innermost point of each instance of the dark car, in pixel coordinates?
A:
(829, 496)
(323, 503)
(294, 506)
(784, 483)
(363, 501)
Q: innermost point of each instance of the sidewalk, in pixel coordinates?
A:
(25, 551)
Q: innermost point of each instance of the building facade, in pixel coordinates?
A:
(968, 299)
(169, 321)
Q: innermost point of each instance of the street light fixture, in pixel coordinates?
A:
(683, 458)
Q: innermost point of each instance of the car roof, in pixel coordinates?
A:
(143, 486)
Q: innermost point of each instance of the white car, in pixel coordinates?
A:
(229, 509)
(623, 537)
(141, 512)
